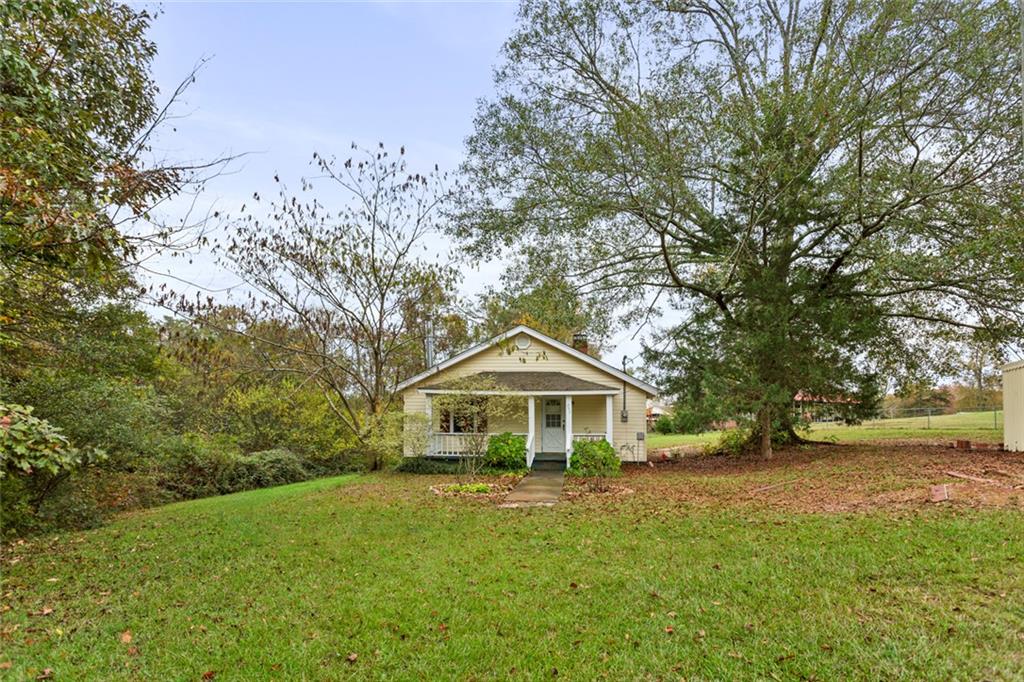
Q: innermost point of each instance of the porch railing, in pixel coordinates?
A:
(458, 444)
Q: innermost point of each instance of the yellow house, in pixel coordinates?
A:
(567, 396)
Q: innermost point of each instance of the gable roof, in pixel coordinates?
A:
(527, 382)
(523, 329)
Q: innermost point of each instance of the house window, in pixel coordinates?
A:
(453, 422)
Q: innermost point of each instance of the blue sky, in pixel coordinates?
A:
(286, 79)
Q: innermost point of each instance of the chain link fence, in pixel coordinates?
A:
(928, 418)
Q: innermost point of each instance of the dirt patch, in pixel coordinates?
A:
(836, 478)
(495, 492)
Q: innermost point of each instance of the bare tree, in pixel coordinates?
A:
(357, 284)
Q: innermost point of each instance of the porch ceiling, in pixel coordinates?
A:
(529, 382)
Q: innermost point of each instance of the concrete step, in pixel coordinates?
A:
(548, 464)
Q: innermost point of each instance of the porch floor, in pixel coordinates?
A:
(539, 488)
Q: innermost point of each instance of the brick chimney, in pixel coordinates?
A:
(579, 342)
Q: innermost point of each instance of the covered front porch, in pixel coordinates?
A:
(557, 409)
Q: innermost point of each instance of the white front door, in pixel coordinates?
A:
(552, 425)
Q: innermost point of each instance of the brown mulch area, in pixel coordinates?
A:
(835, 478)
(576, 488)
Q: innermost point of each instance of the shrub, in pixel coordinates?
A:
(126, 420)
(424, 465)
(265, 469)
(36, 463)
(740, 441)
(31, 445)
(83, 499)
(506, 451)
(664, 424)
(731, 442)
(333, 464)
(593, 459)
(197, 465)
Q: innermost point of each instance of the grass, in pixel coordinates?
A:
(375, 577)
(977, 426)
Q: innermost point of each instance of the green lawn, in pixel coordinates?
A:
(290, 582)
(984, 427)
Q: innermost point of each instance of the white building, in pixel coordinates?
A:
(1013, 406)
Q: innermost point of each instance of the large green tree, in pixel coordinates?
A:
(547, 302)
(820, 187)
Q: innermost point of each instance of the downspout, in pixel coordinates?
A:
(624, 415)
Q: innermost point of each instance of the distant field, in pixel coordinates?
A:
(985, 427)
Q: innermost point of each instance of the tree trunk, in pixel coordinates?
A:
(764, 420)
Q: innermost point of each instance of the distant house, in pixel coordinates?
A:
(820, 408)
(656, 410)
(567, 395)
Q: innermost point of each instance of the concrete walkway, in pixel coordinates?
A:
(539, 488)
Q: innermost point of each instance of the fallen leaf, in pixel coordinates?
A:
(352, 657)
(209, 675)
(126, 637)
(45, 611)
(442, 627)
(46, 674)
(6, 665)
(669, 630)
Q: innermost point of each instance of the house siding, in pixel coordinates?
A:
(588, 411)
(1013, 407)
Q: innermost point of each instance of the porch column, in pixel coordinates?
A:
(531, 432)
(430, 423)
(608, 422)
(568, 430)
